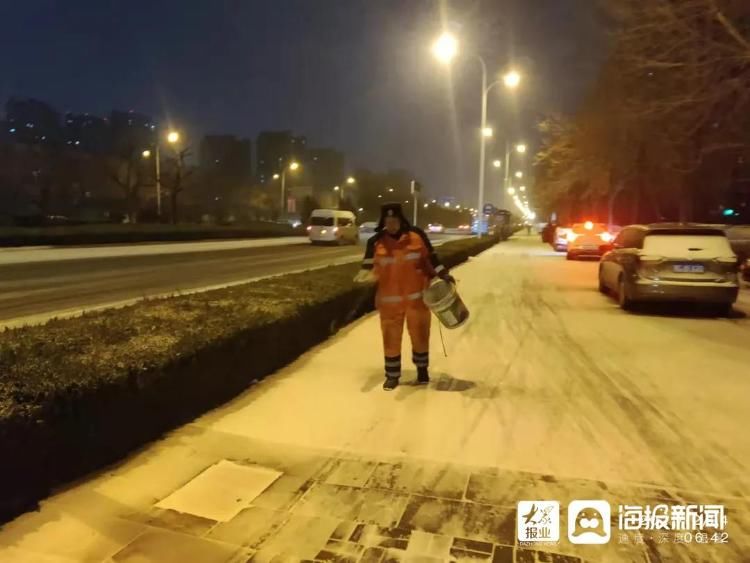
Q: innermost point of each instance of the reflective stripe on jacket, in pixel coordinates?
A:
(403, 265)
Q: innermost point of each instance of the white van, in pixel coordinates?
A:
(333, 226)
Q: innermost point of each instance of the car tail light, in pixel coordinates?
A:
(728, 260)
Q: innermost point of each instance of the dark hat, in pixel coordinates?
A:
(392, 210)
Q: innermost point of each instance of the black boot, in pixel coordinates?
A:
(390, 383)
(423, 376)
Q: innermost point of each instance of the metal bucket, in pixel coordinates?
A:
(443, 300)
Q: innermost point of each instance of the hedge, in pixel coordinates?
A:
(112, 234)
(77, 394)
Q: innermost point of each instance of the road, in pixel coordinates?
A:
(550, 392)
(36, 284)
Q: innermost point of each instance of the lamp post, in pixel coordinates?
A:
(520, 149)
(292, 166)
(446, 49)
(173, 137)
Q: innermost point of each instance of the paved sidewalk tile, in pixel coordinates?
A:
(169, 547)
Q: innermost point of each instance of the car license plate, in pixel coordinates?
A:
(689, 268)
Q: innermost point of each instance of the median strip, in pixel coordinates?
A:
(79, 393)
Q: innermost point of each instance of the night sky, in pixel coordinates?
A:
(354, 74)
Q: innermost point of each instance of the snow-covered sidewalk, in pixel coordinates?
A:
(550, 391)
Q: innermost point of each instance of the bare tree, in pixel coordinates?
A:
(126, 171)
(176, 181)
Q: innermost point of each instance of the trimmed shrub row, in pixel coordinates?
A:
(111, 234)
(76, 394)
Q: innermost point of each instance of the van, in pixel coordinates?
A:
(333, 226)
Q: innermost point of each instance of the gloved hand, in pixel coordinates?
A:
(364, 276)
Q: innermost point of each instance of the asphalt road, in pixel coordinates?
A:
(36, 284)
(549, 393)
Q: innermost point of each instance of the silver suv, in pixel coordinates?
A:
(671, 262)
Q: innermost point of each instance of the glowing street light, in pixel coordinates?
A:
(390, 190)
(447, 204)
(350, 180)
(434, 201)
(445, 48)
(519, 174)
(521, 148)
(293, 166)
(146, 154)
(522, 188)
(276, 176)
(512, 191)
(426, 205)
(512, 79)
(497, 163)
(173, 137)
(336, 188)
(487, 132)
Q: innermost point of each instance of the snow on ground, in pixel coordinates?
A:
(25, 255)
(550, 391)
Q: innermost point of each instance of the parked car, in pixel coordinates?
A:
(435, 228)
(368, 227)
(682, 263)
(560, 239)
(587, 240)
(333, 226)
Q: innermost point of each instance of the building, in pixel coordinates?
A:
(31, 121)
(131, 131)
(88, 132)
(326, 168)
(274, 150)
(228, 157)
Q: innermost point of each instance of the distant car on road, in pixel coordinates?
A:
(464, 228)
(560, 239)
(332, 226)
(587, 240)
(435, 228)
(663, 262)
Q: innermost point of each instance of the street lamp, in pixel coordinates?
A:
(173, 138)
(276, 176)
(522, 188)
(293, 166)
(390, 190)
(447, 204)
(520, 148)
(512, 79)
(496, 163)
(445, 48)
(350, 180)
(512, 191)
(519, 174)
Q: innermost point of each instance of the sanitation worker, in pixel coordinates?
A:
(402, 260)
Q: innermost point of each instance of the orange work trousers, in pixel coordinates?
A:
(418, 318)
